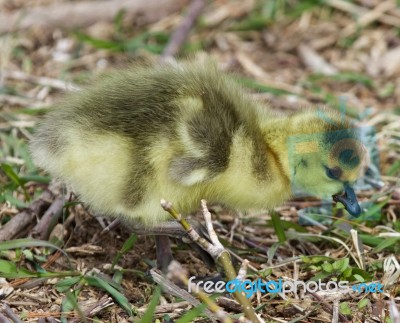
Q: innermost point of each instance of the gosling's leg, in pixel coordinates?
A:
(163, 253)
(175, 230)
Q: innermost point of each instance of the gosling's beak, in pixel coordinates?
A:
(349, 200)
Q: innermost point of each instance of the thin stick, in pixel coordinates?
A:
(327, 308)
(9, 312)
(16, 100)
(78, 14)
(357, 245)
(44, 226)
(23, 219)
(114, 224)
(243, 270)
(192, 233)
(216, 250)
(182, 31)
(335, 313)
(369, 17)
(101, 304)
(394, 312)
(175, 271)
(44, 81)
(166, 308)
(358, 10)
(4, 319)
(171, 288)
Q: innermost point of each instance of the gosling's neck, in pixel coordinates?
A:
(279, 131)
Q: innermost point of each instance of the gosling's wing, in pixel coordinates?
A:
(188, 170)
(204, 132)
(204, 140)
(213, 111)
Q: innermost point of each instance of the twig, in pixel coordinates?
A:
(243, 270)
(327, 308)
(394, 312)
(358, 10)
(315, 61)
(182, 31)
(9, 312)
(391, 269)
(215, 249)
(357, 245)
(114, 224)
(241, 238)
(74, 15)
(232, 231)
(335, 311)
(44, 81)
(4, 319)
(262, 76)
(284, 263)
(21, 101)
(166, 308)
(175, 271)
(20, 221)
(171, 288)
(44, 227)
(92, 310)
(229, 304)
(369, 17)
(192, 233)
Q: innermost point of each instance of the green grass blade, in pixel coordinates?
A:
(119, 297)
(276, 222)
(192, 314)
(66, 308)
(251, 84)
(99, 43)
(289, 225)
(27, 243)
(149, 314)
(71, 297)
(24, 273)
(67, 283)
(394, 169)
(374, 212)
(345, 77)
(385, 244)
(7, 169)
(128, 245)
(7, 266)
(36, 178)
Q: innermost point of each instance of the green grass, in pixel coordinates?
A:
(153, 42)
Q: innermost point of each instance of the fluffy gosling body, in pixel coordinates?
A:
(184, 133)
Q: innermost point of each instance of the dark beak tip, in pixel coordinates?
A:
(349, 200)
(354, 211)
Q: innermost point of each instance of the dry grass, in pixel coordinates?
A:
(289, 53)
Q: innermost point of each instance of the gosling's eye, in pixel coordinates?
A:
(334, 172)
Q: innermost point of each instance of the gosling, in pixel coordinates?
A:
(189, 132)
